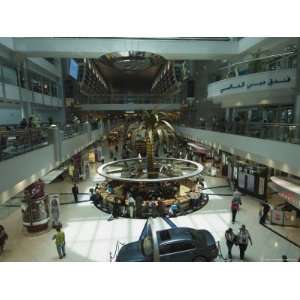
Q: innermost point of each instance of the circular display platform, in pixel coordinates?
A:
(134, 170)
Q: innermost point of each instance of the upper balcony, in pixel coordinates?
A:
(14, 93)
(27, 157)
(270, 87)
(132, 102)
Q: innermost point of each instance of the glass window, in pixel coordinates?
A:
(10, 75)
(176, 247)
(46, 87)
(147, 246)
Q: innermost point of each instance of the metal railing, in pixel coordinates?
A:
(284, 132)
(17, 141)
(133, 98)
(71, 130)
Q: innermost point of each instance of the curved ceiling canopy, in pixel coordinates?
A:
(132, 61)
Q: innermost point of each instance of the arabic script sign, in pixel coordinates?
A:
(248, 86)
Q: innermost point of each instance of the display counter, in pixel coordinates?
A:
(35, 213)
(182, 199)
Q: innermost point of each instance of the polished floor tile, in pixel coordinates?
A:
(92, 236)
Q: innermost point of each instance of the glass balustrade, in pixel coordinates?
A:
(17, 141)
(284, 132)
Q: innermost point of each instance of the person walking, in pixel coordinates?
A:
(235, 206)
(60, 242)
(243, 238)
(131, 204)
(265, 210)
(237, 197)
(230, 240)
(75, 192)
(3, 238)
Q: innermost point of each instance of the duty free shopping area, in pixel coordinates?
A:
(140, 156)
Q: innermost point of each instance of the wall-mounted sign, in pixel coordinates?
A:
(248, 86)
(276, 79)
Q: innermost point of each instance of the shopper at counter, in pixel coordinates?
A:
(109, 188)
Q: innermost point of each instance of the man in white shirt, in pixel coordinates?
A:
(131, 204)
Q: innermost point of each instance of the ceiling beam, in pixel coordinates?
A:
(95, 47)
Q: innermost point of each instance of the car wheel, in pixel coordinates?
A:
(200, 259)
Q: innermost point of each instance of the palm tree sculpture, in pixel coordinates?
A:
(153, 128)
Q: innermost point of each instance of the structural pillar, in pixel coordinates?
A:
(55, 138)
(88, 130)
(26, 109)
(227, 114)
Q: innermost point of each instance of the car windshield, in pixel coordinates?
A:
(147, 246)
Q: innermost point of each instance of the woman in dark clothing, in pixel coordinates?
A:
(266, 209)
(3, 238)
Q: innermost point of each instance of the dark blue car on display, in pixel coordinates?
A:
(172, 245)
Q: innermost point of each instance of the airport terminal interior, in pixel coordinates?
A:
(150, 149)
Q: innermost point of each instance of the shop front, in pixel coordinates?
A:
(286, 203)
(248, 177)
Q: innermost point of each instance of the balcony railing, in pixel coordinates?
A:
(136, 99)
(18, 141)
(284, 132)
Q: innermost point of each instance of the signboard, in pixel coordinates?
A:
(262, 81)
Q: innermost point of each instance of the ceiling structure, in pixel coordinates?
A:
(130, 71)
(169, 48)
(132, 64)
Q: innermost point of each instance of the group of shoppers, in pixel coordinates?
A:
(241, 240)
(243, 237)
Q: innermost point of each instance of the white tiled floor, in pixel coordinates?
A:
(91, 236)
